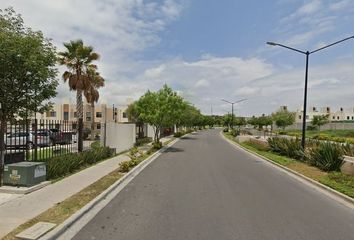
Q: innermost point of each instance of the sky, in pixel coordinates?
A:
(208, 50)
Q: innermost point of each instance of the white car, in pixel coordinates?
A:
(19, 140)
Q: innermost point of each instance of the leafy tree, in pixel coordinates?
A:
(240, 121)
(261, 121)
(91, 93)
(27, 69)
(133, 116)
(283, 118)
(320, 120)
(160, 109)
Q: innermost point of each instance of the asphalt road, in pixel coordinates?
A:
(204, 188)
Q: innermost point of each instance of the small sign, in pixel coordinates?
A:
(40, 171)
(14, 176)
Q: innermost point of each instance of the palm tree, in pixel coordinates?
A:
(91, 93)
(77, 58)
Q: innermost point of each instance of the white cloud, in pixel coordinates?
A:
(202, 83)
(337, 6)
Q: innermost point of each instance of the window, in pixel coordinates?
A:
(348, 118)
(352, 118)
(88, 114)
(307, 117)
(98, 126)
(338, 117)
(88, 119)
(66, 115)
(98, 114)
(333, 117)
(53, 114)
(299, 116)
(314, 109)
(124, 115)
(75, 114)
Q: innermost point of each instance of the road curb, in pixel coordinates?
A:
(102, 199)
(330, 191)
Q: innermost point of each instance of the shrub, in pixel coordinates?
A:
(282, 132)
(63, 165)
(225, 130)
(327, 156)
(125, 166)
(288, 147)
(235, 132)
(141, 141)
(179, 134)
(258, 144)
(311, 128)
(157, 145)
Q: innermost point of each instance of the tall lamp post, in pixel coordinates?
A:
(232, 109)
(307, 54)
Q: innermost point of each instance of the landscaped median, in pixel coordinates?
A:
(62, 211)
(334, 178)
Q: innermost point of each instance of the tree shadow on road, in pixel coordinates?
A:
(173, 149)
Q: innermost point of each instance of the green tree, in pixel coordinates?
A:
(27, 71)
(160, 109)
(320, 120)
(133, 116)
(283, 118)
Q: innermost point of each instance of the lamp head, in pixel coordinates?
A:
(271, 43)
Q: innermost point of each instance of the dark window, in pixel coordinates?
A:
(333, 117)
(338, 117)
(53, 114)
(98, 126)
(66, 116)
(75, 114)
(124, 115)
(299, 116)
(98, 114)
(348, 118)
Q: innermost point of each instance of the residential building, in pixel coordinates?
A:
(103, 113)
(340, 114)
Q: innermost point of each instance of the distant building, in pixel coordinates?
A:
(341, 114)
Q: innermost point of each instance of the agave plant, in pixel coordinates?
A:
(287, 147)
(327, 156)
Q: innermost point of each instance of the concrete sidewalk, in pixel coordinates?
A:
(18, 209)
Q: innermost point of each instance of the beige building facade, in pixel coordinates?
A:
(103, 113)
(334, 115)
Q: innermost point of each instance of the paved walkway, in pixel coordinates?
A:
(16, 209)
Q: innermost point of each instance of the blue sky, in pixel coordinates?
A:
(208, 50)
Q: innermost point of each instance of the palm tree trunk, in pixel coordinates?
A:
(93, 120)
(79, 104)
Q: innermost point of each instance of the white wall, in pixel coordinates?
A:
(118, 136)
(150, 132)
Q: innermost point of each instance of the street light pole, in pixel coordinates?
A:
(307, 53)
(232, 109)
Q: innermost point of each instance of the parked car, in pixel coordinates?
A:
(19, 140)
(60, 137)
(44, 138)
(49, 137)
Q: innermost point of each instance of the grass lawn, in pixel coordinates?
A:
(329, 133)
(341, 182)
(46, 153)
(65, 209)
